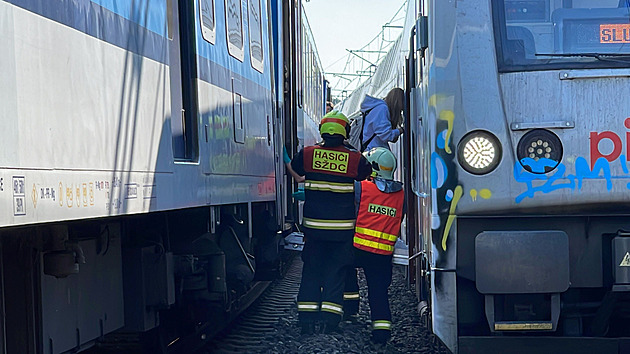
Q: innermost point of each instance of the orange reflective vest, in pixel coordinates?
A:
(379, 218)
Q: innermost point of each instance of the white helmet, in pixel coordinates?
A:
(383, 162)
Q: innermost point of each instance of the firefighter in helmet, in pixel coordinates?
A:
(330, 168)
(380, 213)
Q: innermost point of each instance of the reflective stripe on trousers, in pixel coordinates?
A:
(332, 307)
(325, 224)
(351, 296)
(308, 306)
(382, 324)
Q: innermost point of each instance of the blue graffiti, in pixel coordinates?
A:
(439, 172)
(559, 179)
(449, 195)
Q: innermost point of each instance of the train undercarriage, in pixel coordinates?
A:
(539, 284)
(162, 277)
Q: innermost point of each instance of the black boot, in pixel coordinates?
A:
(380, 336)
(329, 328)
(307, 328)
(351, 317)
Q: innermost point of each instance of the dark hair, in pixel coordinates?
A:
(395, 100)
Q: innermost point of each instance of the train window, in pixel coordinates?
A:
(586, 4)
(527, 11)
(255, 35)
(206, 13)
(234, 26)
(561, 34)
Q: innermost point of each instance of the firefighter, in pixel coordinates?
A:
(330, 168)
(380, 213)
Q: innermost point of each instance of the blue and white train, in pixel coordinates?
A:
(142, 187)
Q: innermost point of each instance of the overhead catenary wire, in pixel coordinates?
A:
(361, 63)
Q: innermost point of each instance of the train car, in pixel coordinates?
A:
(520, 116)
(141, 181)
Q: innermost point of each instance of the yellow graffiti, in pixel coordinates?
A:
(78, 204)
(435, 99)
(485, 193)
(449, 117)
(459, 191)
(91, 193)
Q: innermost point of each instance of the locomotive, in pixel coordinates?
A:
(516, 170)
(141, 179)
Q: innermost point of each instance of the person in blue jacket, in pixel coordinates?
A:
(383, 119)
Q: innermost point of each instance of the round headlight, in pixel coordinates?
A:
(479, 152)
(539, 151)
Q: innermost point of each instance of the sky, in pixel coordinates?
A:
(338, 25)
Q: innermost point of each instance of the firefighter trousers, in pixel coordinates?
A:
(321, 290)
(378, 273)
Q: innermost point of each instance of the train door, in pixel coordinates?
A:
(292, 38)
(274, 8)
(409, 165)
(419, 161)
(181, 34)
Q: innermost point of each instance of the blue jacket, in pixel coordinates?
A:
(377, 122)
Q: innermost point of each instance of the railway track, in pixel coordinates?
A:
(247, 333)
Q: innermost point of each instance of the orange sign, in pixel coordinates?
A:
(614, 33)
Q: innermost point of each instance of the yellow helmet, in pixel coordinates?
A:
(334, 122)
(383, 162)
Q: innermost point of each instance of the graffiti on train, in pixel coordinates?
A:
(617, 145)
(601, 164)
(560, 179)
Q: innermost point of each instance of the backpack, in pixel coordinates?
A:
(356, 131)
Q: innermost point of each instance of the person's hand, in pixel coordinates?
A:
(300, 179)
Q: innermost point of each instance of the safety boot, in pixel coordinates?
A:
(307, 328)
(380, 336)
(329, 328)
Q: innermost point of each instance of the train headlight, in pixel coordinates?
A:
(479, 152)
(539, 151)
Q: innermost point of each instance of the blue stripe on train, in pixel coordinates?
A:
(112, 22)
(122, 27)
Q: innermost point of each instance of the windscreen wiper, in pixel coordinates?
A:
(614, 57)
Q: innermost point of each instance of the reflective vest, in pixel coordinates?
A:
(329, 187)
(379, 218)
